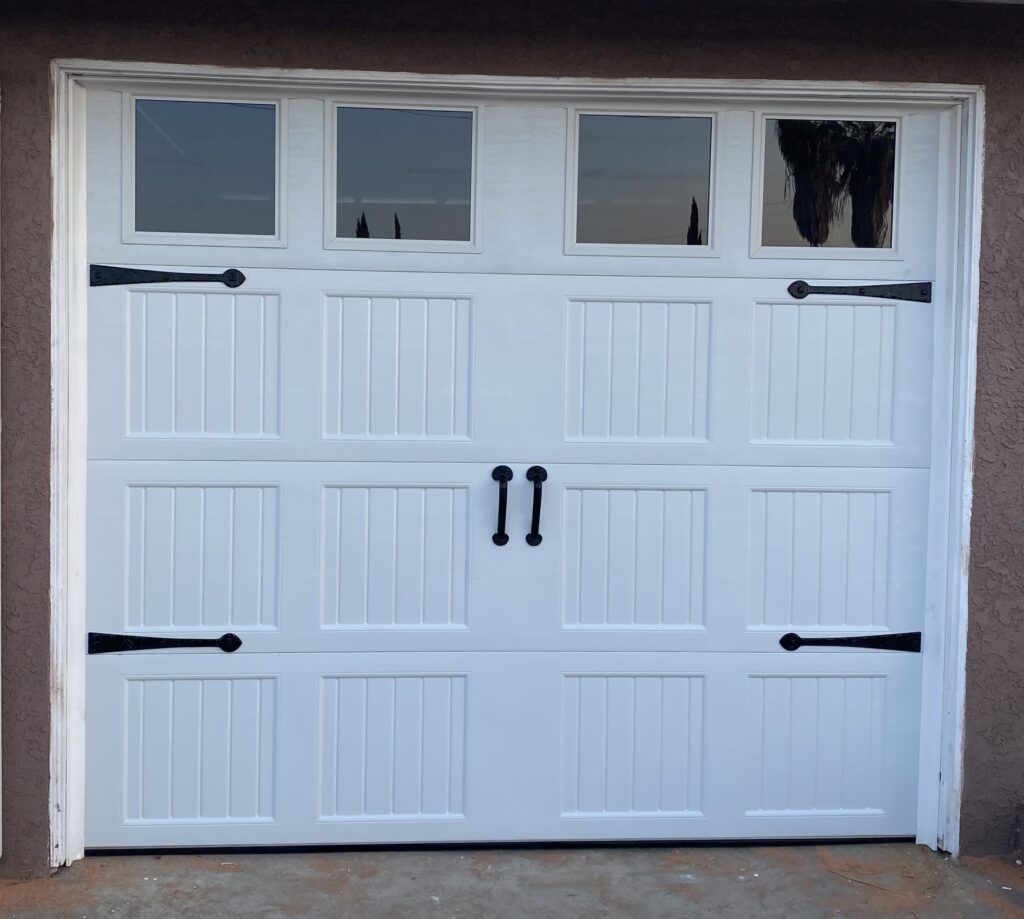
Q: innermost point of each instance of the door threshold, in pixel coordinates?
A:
(98, 851)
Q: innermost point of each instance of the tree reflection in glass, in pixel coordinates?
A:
(404, 174)
(829, 183)
(643, 180)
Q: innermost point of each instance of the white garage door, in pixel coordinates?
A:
(461, 319)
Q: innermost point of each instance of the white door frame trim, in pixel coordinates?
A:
(942, 731)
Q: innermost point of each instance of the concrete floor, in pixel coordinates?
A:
(791, 882)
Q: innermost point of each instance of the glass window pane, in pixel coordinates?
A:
(643, 180)
(828, 183)
(404, 174)
(205, 167)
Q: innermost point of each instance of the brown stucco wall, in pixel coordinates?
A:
(768, 39)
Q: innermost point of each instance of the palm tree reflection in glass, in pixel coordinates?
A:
(831, 162)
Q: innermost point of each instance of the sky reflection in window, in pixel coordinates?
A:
(404, 174)
(643, 180)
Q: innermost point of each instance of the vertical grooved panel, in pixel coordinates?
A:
(199, 749)
(393, 557)
(634, 558)
(201, 556)
(202, 364)
(817, 744)
(632, 745)
(391, 746)
(396, 367)
(823, 372)
(819, 558)
(637, 370)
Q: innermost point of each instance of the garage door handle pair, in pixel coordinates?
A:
(503, 475)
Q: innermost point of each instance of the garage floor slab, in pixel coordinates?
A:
(878, 881)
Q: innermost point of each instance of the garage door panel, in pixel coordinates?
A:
(302, 366)
(726, 551)
(643, 751)
(199, 749)
(190, 550)
(819, 743)
(821, 558)
(392, 747)
(691, 745)
(202, 556)
(190, 747)
(203, 748)
(762, 378)
(193, 363)
(634, 557)
(394, 557)
(840, 744)
(827, 372)
(632, 745)
(396, 367)
(637, 370)
(837, 741)
(363, 748)
(308, 461)
(840, 557)
(202, 363)
(280, 553)
(297, 366)
(369, 553)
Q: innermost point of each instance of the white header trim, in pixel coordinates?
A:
(414, 85)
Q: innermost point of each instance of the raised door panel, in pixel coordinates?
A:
(718, 558)
(396, 367)
(392, 747)
(394, 557)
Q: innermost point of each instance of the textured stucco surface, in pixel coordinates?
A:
(923, 41)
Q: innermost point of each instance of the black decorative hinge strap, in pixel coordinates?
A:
(918, 291)
(108, 275)
(107, 643)
(897, 641)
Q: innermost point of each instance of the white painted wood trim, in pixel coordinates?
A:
(416, 85)
(943, 698)
(1, 750)
(950, 783)
(67, 474)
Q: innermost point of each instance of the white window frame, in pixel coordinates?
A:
(333, 241)
(961, 157)
(710, 250)
(129, 235)
(831, 253)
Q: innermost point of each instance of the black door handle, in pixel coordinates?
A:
(107, 643)
(538, 475)
(502, 475)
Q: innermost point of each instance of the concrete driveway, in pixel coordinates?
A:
(789, 882)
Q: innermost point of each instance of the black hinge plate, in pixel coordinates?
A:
(917, 291)
(107, 643)
(896, 641)
(109, 275)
